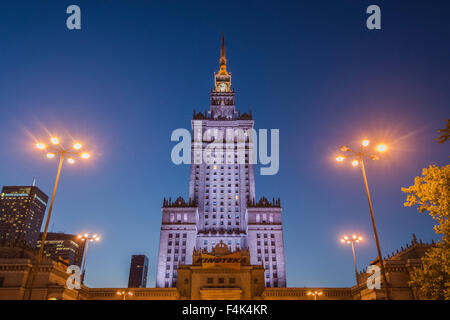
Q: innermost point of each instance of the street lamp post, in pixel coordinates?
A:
(352, 240)
(86, 238)
(54, 150)
(358, 159)
(124, 294)
(314, 293)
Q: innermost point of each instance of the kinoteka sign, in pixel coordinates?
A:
(232, 260)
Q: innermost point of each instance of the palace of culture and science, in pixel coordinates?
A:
(222, 206)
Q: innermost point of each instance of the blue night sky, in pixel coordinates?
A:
(137, 69)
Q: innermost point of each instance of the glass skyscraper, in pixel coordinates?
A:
(22, 210)
(138, 271)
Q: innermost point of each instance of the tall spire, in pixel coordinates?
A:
(222, 50)
(222, 79)
(223, 59)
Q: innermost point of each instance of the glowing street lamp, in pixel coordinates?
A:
(352, 240)
(53, 150)
(41, 146)
(124, 294)
(86, 238)
(381, 148)
(314, 293)
(365, 143)
(358, 159)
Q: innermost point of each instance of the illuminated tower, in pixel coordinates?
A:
(22, 210)
(221, 205)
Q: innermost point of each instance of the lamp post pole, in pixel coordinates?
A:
(354, 259)
(86, 238)
(360, 161)
(352, 240)
(124, 294)
(52, 152)
(315, 294)
(44, 235)
(375, 232)
(84, 261)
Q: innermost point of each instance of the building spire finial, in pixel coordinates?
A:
(222, 50)
(223, 59)
(34, 181)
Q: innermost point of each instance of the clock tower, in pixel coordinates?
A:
(222, 96)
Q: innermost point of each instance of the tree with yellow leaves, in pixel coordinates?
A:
(431, 194)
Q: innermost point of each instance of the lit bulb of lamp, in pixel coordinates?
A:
(77, 146)
(381, 147)
(365, 143)
(54, 140)
(71, 160)
(40, 146)
(340, 158)
(355, 163)
(85, 155)
(50, 155)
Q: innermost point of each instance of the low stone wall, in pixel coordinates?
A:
(137, 294)
(302, 294)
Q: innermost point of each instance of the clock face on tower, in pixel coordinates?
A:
(222, 87)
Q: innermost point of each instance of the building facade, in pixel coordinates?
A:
(16, 265)
(22, 209)
(222, 273)
(65, 246)
(138, 271)
(222, 205)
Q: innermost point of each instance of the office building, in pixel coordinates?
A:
(138, 271)
(22, 209)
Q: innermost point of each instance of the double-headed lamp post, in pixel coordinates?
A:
(52, 151)
(352, 240)
(357, 158)
(124, 294)
(86, 238)
(315, 294)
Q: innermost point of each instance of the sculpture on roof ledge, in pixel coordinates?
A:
(264, 203)
(179, 203)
